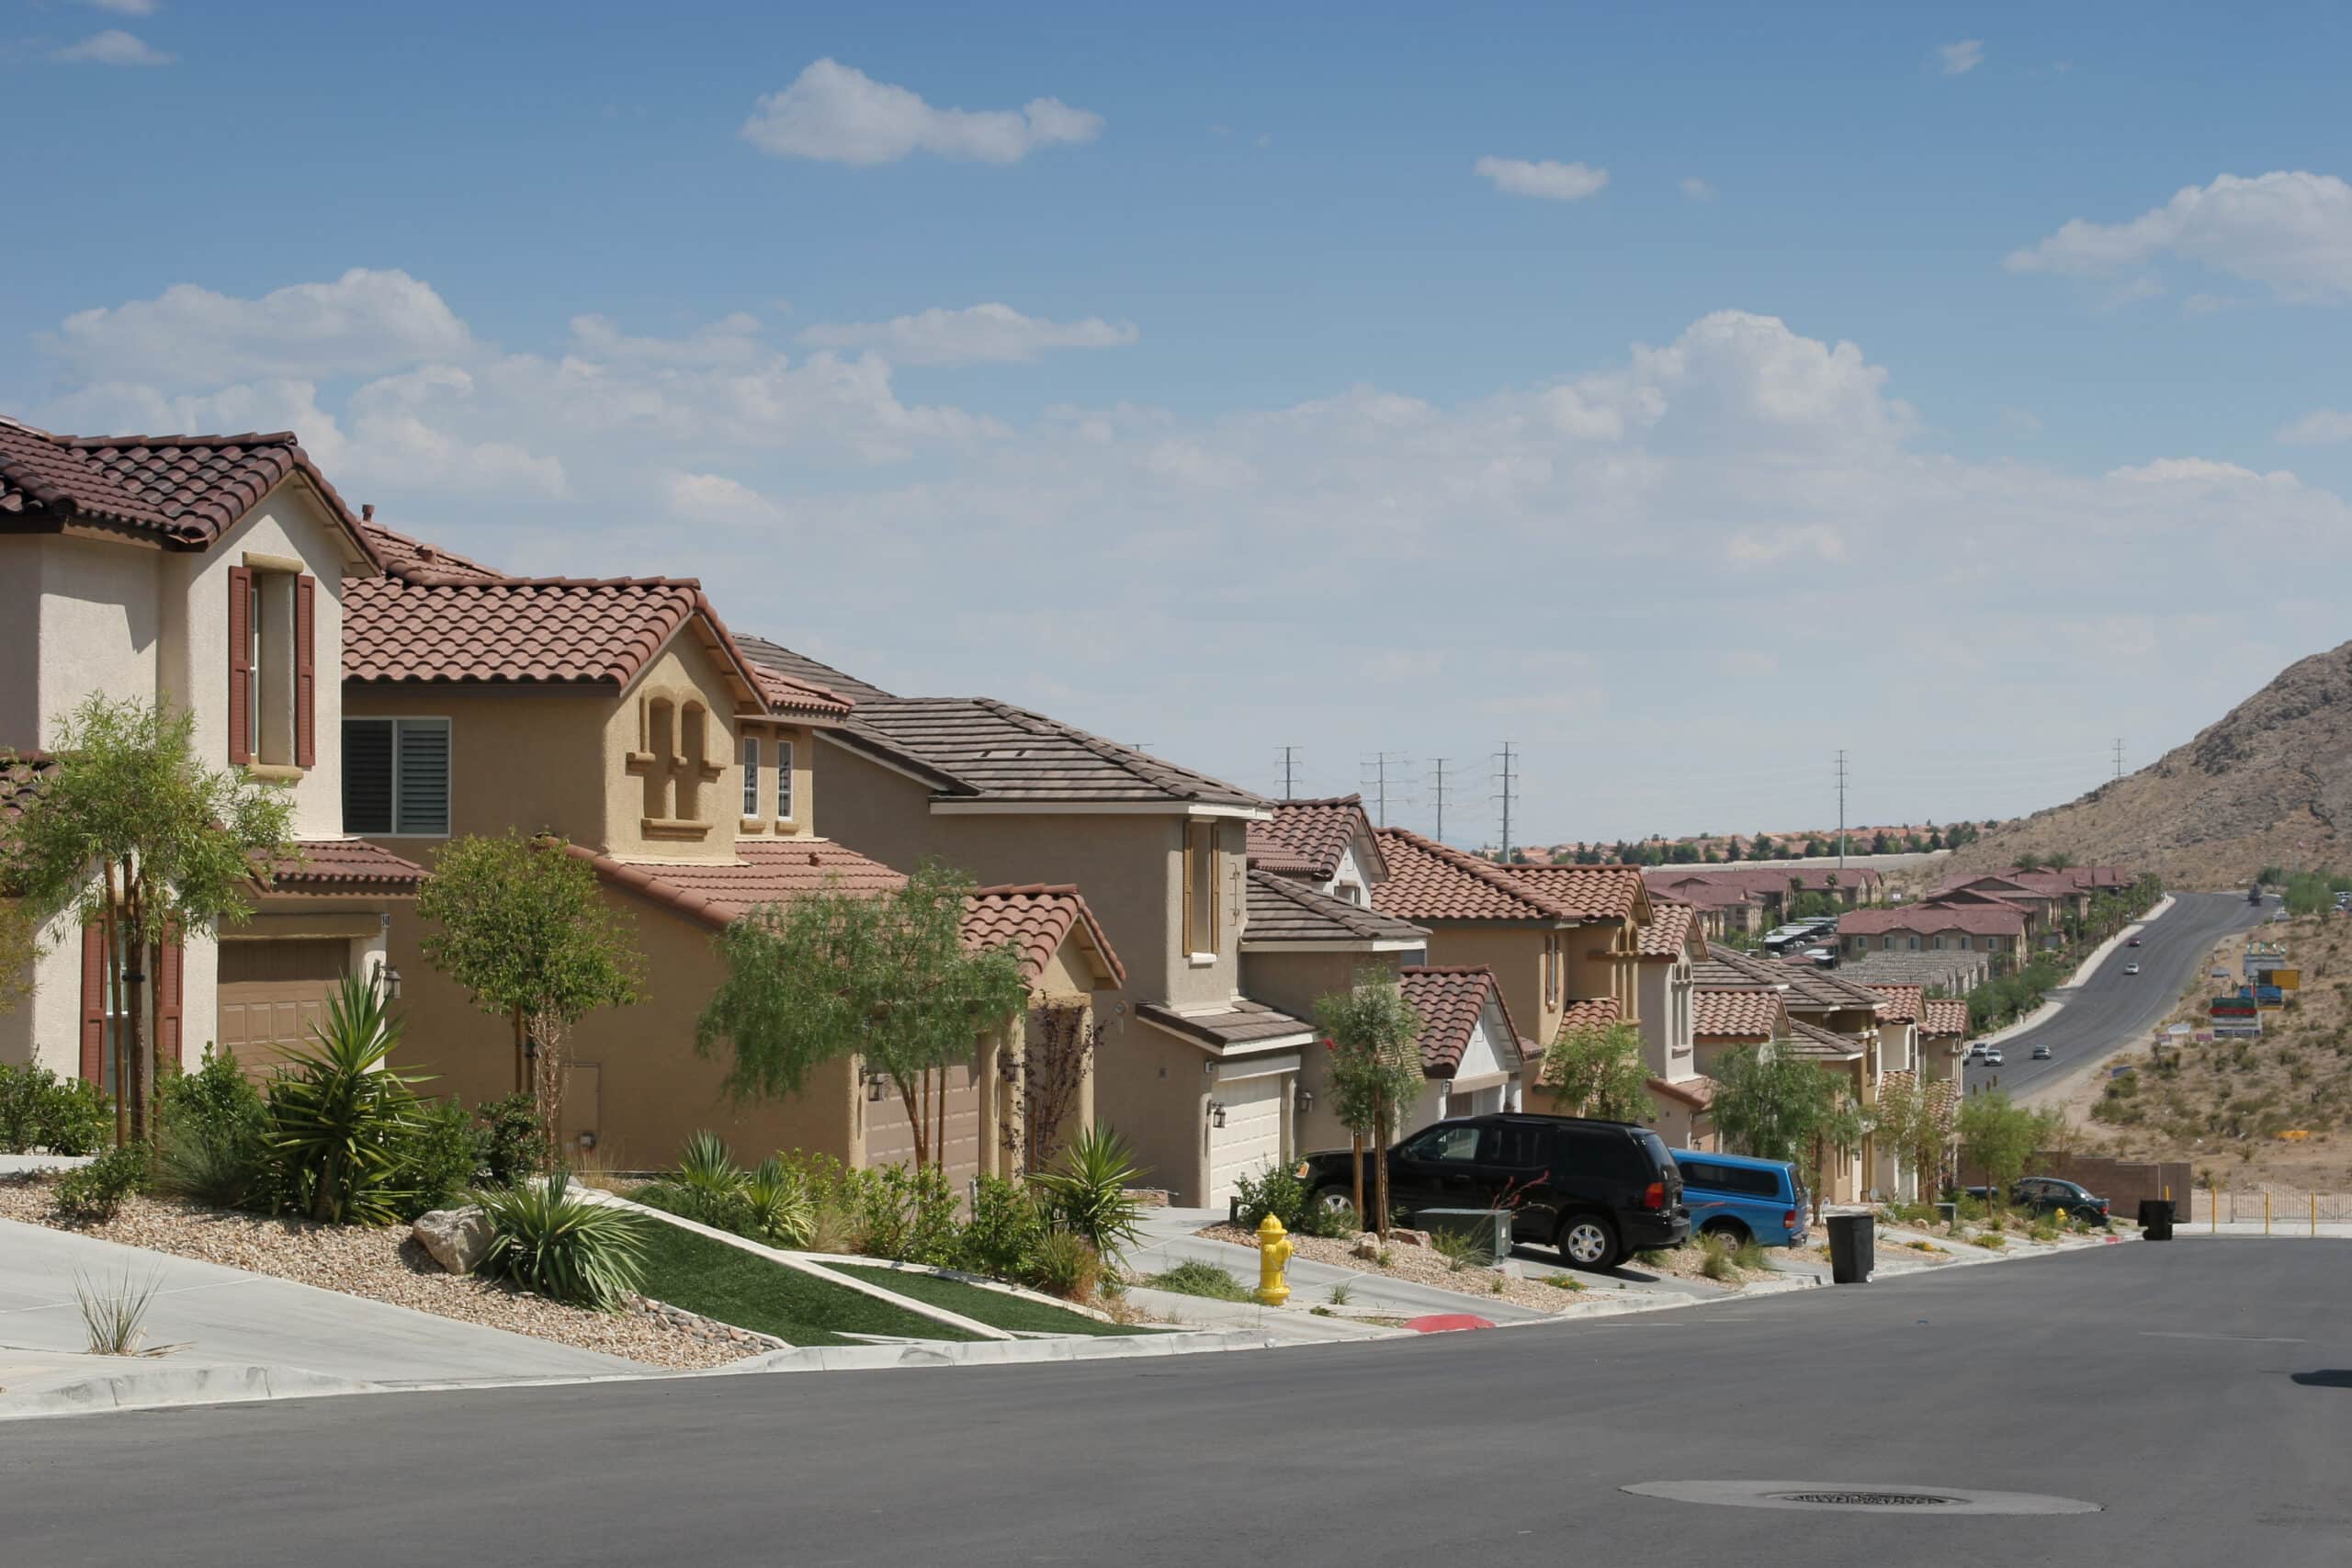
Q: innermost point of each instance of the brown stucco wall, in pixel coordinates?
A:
(1293, 982)
(1516, 955)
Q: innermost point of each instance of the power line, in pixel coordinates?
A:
(1440, 789)
(1509, 781)
(1378, 784)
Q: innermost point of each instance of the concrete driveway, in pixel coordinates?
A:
(225, 1315)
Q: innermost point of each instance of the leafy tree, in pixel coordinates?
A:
(1999, 1138)
(1768, 1104)
(1815, 848)
(1882, 842)
(1598, 1071)
(1915, 1117)
(1761, 846)
(2060, 861)
(1936, 839)
(136, 836)
(2030, 861)
(882, 978)
(519, 924)
(1372, 1033)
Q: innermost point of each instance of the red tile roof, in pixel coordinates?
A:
(21, 773)
(1904, 1004)
(1736, 1012)
(1670, 928)
(1698, 1092)
(1589, 892)
(403, 555)
(1037, 918)
(183, 491)
(1451, 1001)
(1977, 919)
(1307, 838)
(1946, 1016)
(1589, 1012)
(1430, 881)
(336, 865)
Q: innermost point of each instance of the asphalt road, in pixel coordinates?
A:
(2112, 1009)
(2159, 1382)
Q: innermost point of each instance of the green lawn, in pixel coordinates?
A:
(738, 1287)
(993, 1307)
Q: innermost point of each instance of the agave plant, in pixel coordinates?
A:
(340, 1118)
(1086, 1193)
(779, 1206)
(549, 1239)
(706, 1167)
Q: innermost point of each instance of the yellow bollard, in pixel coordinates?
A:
(1274, 1247)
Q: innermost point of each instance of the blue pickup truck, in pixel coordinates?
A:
(1742, 1199)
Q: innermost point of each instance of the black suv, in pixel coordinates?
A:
(1594, 1189)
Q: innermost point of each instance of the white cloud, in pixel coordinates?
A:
(1963, 57)
(716, 500)
(841, 114)
(2196, 470)
(1765, 545)
(731, 340)
(125, 7)
(1549, 180)
(2292, 230)
(364, 323)
(2321, 427)
(112, 46)
(1698, 189)
(977, 334)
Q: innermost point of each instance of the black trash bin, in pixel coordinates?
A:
(2155, 1219)
(1853, 1243)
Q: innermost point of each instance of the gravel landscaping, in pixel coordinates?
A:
(1421, 1265)
(382, 1265)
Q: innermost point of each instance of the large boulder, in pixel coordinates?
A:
(456, 1238)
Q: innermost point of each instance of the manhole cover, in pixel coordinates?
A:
(1832, 1496)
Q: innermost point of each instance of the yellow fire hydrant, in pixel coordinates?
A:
(1274, 1247)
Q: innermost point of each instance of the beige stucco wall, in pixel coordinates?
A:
(520, 760)
(1293, 982)
(1516, 955)
(801, 822)
(1155, 1089)
(684, 672)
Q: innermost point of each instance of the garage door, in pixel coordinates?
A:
(1251, 1138)
(274, 993)
(890, 1140)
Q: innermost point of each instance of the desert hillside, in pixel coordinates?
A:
(2269, 785)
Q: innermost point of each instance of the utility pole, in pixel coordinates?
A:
(1379, 783)
(1509, 779)
(1439, 788)
(1289, 756)
(1841, 810)
(2119, 759)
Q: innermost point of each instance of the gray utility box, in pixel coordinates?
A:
(1487, 1228)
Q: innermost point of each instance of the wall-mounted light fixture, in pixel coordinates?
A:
(874, 1086)
(1216, 1114)
(390, 979)
(1306, 1101)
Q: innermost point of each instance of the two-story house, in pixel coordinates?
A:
(1937, 928)
(620, 718)
(1198, 1075)
(204, 573)
(1669, 946)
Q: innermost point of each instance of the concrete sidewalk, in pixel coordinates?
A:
(233, 1318)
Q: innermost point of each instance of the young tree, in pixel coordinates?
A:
(136, 836)
(1768, 1104)
(885, 977)
(1374, 1036)
(1999, 1138)
(519, 923)
(1915, 1117)
(1598, 1071)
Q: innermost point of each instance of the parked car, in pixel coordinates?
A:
(2049, 1195)
(2040, 1054)
(1742, 1199)
(1595, 1190)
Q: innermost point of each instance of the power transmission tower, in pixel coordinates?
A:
(1509, 781)
(1841, 810)
(1439, 789)
(1289, 758)
(2119, 759)
(1375, 779)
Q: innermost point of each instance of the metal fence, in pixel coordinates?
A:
(2285, 1210)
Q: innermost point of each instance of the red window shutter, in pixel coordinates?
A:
(93, 1005)
(172, 963)
(306, 671)
(241, 590)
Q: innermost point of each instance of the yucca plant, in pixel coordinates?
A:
(777, 1204)
(549, 1239)
(706, 1165)
(1086, 1193)
(341, 1119)
(116, 1317)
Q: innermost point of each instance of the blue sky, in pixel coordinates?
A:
(1181, 373)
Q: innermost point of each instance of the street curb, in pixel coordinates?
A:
(990, 1353)
(2083, 971)
(73, 1393)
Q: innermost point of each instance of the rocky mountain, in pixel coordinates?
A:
(2269, 785)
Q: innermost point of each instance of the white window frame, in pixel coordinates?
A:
(450, 801)
(783, 792)
(750, 776)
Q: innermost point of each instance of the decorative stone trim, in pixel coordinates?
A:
(709, 1330)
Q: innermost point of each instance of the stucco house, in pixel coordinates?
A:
(1668, 949)
(1934, 927)
(1943, 1038)
(620, 718)
(1197, 1073)
(206, 573)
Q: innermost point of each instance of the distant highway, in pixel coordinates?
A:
(2112, 1009)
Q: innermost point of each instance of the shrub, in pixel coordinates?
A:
(907, 1214)
(40, 1110)
(1752, 1256)
(1331, 1225)
(1195, 1277)
(708, 1188)
(1459, 1249)
(549, 1238)
(1563, 1281)
(341, 1120)
(776, 1204)
(116, 1319)
(512, 1143)
(1065, 1264)
(95, 1191)
(1715, 1259)
(1086, 1192)
(212, 1135)
(439, 1161)
(1277, 1191)
(1005, 1229)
